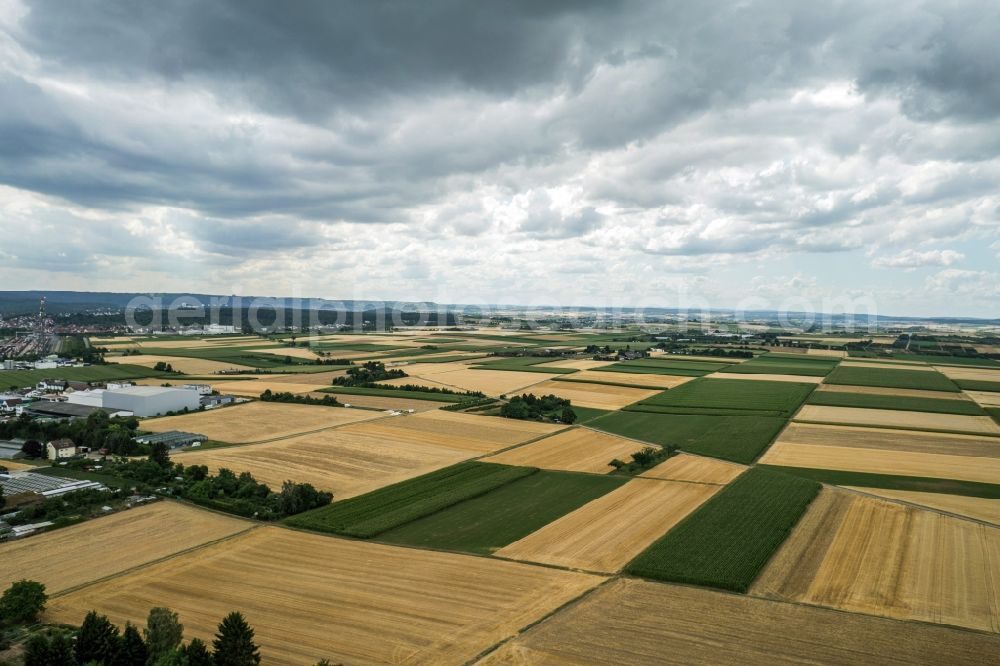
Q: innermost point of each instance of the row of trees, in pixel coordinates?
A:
(529, 407)
(96, 431)
(285, 396)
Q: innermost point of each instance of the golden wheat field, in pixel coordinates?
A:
(575, 450)
(649, 624)
(188, 366)
(892, 418)
(14, 465)
(380, 402)
(608, 532)
(881, 461)
(879, 390)
(632, 378)
(890, 439)
(980, 508)
(258, 421)
(492, 382)
(342, 461)
(292, 352)
(92, 550)
(595, 396)
(696, 469)
(866, 555)
(799, 379)
(830, 353)
(311, 597)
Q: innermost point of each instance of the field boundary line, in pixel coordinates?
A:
(185, 551)
(524, 443)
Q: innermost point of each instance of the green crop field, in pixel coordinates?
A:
(727, 396)
(90, 373)
(978, 385)
(784, 365)
(588, 414)
(736, 438)
(502, 516)
(677, 370)
(924, 484)
(927, 380)
(380, 510)
(729, 539)
(897, 402)
(395, 393)
(935, 359)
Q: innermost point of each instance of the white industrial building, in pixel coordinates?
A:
(151, 400)
(140, 400)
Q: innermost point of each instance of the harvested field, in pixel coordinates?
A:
(292, 352)
(346, 463)
(980, 508)
(14, 465)
(975, 374)
(890, 440)
(576, 364)
(575, 450)
(188, 366)
(651, 380)
(829, 353)
(806, 379)
(467, 432)
(878, 461)
(985, 398)
(458, 376)
(257, 421)
(382, 402)
(899, 419)
(607, 533)
(623, 622)
(311, 597)
(866, 555)
(97, 548)
(886, 364)
(695, 469)
(883, 390)
(323, 378)
(252, 388)
(594, 396)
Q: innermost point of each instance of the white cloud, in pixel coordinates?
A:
(919, 259)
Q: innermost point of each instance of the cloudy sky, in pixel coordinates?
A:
(756, 154)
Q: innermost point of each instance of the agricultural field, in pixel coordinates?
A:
(726, 396)
(606, 533)
(637, 380)
(574, 450)
(92, 373)
(695, 469)
(72, 556)
(311, 597)
(350, 394)
(415, 401)
(739, 439)
(862, 554)
(877, 398)
(188, 366)
(668, 366)
(985, 398)
(252, 388)
(649, 624)
(460, 377)
(730, 538)
(891, 418)
(978, 385)
(486, 523)
(973, 374)
(979, 508)
(887, 451)
(520, 364)
(258, 421)
(930, 379)
(381, 510)
(772, 364)
(593, 396)
(761, 377)
(575, 364)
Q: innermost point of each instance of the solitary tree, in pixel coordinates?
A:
(234, 644)
(33, 448)
(22, 602)
(97, 640)
(159, 453)
(163, 633)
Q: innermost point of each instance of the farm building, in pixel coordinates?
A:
(60, 448)
(67, 410)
